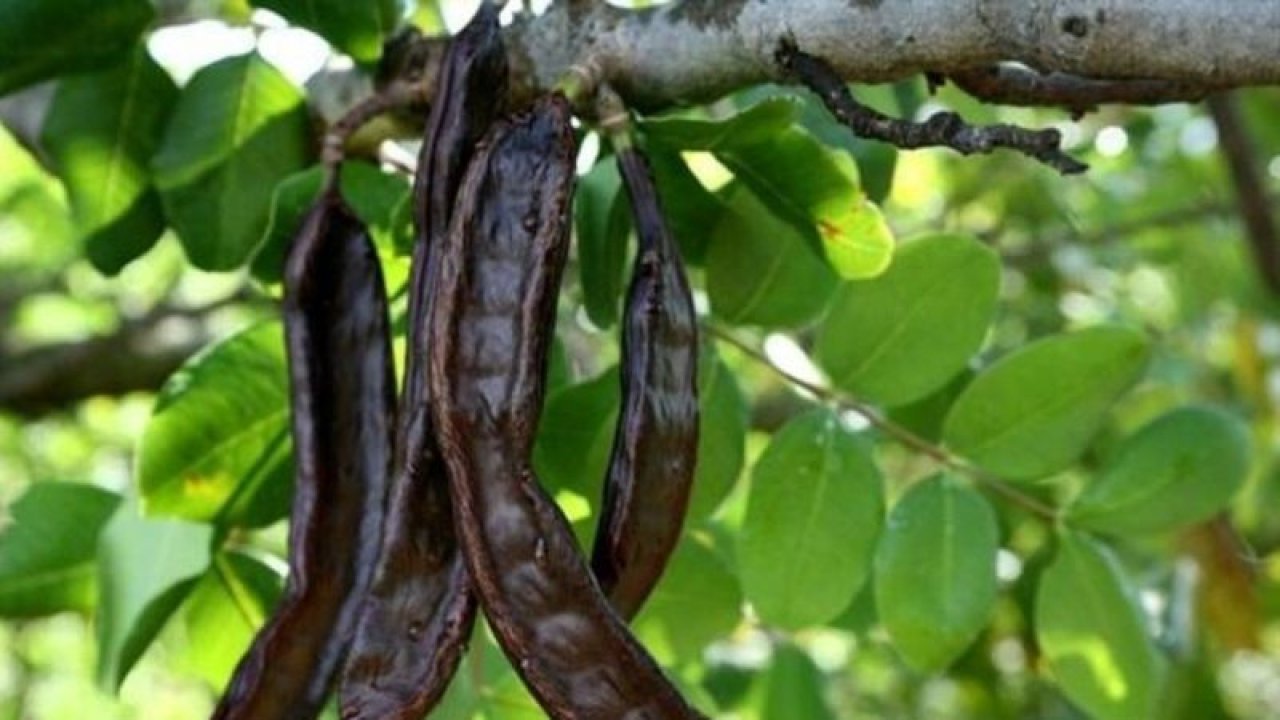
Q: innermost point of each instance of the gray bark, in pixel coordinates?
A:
(696, 50)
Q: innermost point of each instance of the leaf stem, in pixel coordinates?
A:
(895, 431)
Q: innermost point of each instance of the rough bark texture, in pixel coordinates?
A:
(697, 50)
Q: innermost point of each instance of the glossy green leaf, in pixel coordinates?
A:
(1093, 635)
(48, 547)
(816, 188)
(40, 39)
(355, 28)
(101, 132)
(226, 607)
(1182, 468)
(814, 514)
(755, 124)
(239, 128)
(759, 271)
(696, 602)
(935, 572)
(220, 423)
(603, 224)
(793, 687)
(896, 338)
(1033, 412)
(575, 435)
(375, 196)
(722, 435)
(146, 569)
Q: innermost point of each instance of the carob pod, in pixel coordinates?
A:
(418, 615)
(655, 445)
(491, 324)
(342, 395)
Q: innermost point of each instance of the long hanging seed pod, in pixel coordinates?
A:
(491, 324)
(342, 393)
(419, 613)
(655, 445)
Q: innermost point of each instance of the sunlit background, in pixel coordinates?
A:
(1150, 236)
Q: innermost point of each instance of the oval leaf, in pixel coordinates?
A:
(101, 132)
(48, 549)
(696, 602)
(722, 435)
(1093, 636)
(814, 513)
(41, 38)
(225, 609)
(759, 271)
(602, 222)
(220, 423)
(895, 339)
(816, 188)
(239, 128)
(1182, 468)
(935, 572)
(755, 124)
(1033, 412)
(146, 569)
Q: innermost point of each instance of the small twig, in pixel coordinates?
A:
(1249, 177)
(392, 97)
(945, 129)
(903, 436)
(1023, 87)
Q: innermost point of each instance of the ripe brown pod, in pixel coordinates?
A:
(419, 612)
(492, 323)
(655, 445)
(342, 397)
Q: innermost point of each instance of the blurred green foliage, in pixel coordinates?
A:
(1117, 362)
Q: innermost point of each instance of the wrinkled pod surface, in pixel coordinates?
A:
(491, 325)
(342, 399)
(418, 616)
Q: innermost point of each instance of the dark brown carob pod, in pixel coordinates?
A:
(342, 395)
(655, 445)
(418, 615)
(491, 325)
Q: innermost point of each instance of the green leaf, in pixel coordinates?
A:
(935, 572)
(755, 124)
(239, 128)
(1033, 412)
(575, 436)
(375, 196)
(815, 188)
(226, 607)
(1093, 635)
(690, 209)
(603, 224)
(1182, 468)
(759, 271)
(48, 549)
(146, 569)
(696, 602)
(355, 28)
(40, 39)
(792, 688)
(813, 516)
(895, 339)
(220, 423)
(722, 435)
(101, 132)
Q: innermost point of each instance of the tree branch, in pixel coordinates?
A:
(1251, 188)
(698, 50)
(1019, 86)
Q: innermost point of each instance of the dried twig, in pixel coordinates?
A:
(1241, 155)
(944, 129)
